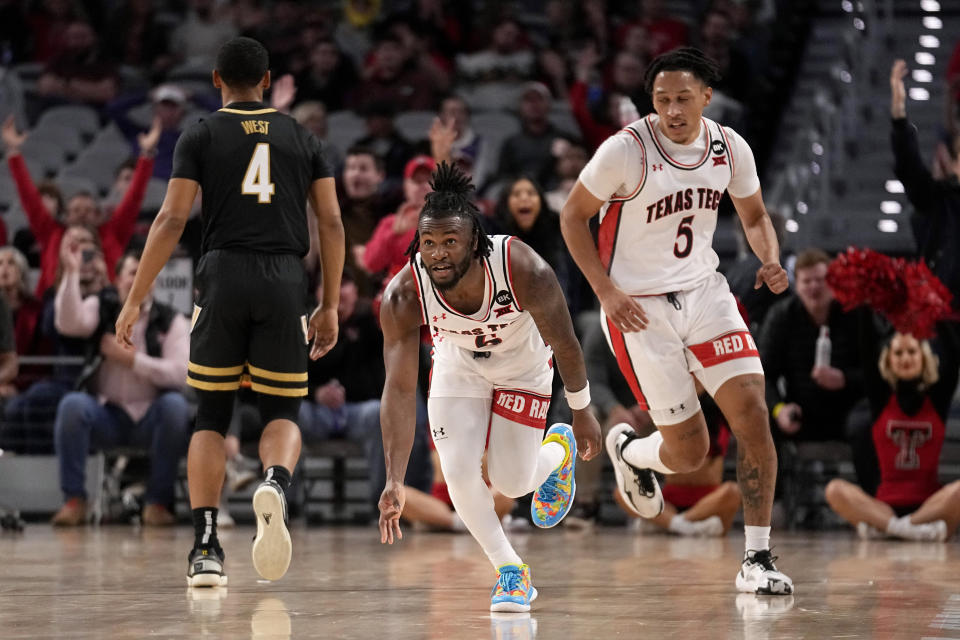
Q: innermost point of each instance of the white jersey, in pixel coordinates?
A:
(500, 324)
(656, 227)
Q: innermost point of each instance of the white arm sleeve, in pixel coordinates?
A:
(606, 172)
(745, 181)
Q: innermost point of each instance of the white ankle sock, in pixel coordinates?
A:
(758, 538)
(644, 453)
(680, 525)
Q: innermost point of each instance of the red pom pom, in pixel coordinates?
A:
(908, 294)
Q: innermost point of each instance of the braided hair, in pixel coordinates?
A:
(451, 198)
(683, 59)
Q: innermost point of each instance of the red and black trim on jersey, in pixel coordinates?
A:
(610, 225)
(726, 141)
(508, 270)
(652, 129)
(488, 302)
(419, 283)
(625, 362)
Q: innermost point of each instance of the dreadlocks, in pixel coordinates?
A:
(683, 59)
(451, 197)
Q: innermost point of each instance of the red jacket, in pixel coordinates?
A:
(115, 233)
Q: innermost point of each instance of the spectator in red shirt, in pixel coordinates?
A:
(910, 391)
(82, 208)
(387, 248)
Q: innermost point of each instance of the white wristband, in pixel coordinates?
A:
(578, 399)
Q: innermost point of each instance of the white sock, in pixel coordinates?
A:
(894, 525)
(644, 453)
(758, 538)
(456, 524)
(550, 457)
(680, 525)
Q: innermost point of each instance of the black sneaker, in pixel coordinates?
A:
(205, 568)
(271, 547)
(638, 487)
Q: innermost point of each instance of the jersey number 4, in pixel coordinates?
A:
(256, 181)
(686, 232)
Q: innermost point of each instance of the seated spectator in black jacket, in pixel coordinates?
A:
(817, 399)
(936, 203)
(344, 392)
(134, 396)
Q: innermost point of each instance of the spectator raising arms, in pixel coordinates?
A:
(82, 208)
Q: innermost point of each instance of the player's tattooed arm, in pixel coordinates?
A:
(400, 319)
(539, 293)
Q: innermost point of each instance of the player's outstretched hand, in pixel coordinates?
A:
(774, 276)
(391, 506)
(323, 331)
(625, 312)
(125, 321)
(586, 430)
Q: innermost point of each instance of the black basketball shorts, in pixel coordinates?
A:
(250, 319)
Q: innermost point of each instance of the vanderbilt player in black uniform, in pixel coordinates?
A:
(256, 168)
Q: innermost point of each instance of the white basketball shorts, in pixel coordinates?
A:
(698, 331)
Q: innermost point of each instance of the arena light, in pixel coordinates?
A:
(890, 207)
(893, 186)
(802, 207)
(817, 149)
(924, 58)
(919, 93)
(922, 75)
(931, 6)
(888, 226)
(929, 42)
(792, 226)
(847, 6)
(932, 22)
(845, 76)
(815, 168)
(858, 24)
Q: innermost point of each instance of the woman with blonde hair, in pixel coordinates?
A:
(25, 308)
(909, 390)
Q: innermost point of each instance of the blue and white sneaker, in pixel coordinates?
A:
(514, 590)
(552, 500)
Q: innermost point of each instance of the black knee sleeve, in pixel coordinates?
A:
(279, 408)
(215, 411)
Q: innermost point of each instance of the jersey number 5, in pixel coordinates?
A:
(686, 232)
(256, 181)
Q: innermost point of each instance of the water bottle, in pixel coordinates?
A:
(822, 358)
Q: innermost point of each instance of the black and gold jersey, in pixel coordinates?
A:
(255, 167)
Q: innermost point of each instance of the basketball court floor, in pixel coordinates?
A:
(122, 582)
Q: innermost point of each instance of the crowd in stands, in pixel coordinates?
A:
(517, 94)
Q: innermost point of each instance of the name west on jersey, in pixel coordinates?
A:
(683, 201)
(255, 126)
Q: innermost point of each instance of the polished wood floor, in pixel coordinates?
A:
(122, 582)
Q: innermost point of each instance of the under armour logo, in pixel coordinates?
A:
(720, 160)
(266, 517)
(657, 167)
(439, 433)
(197, 566)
